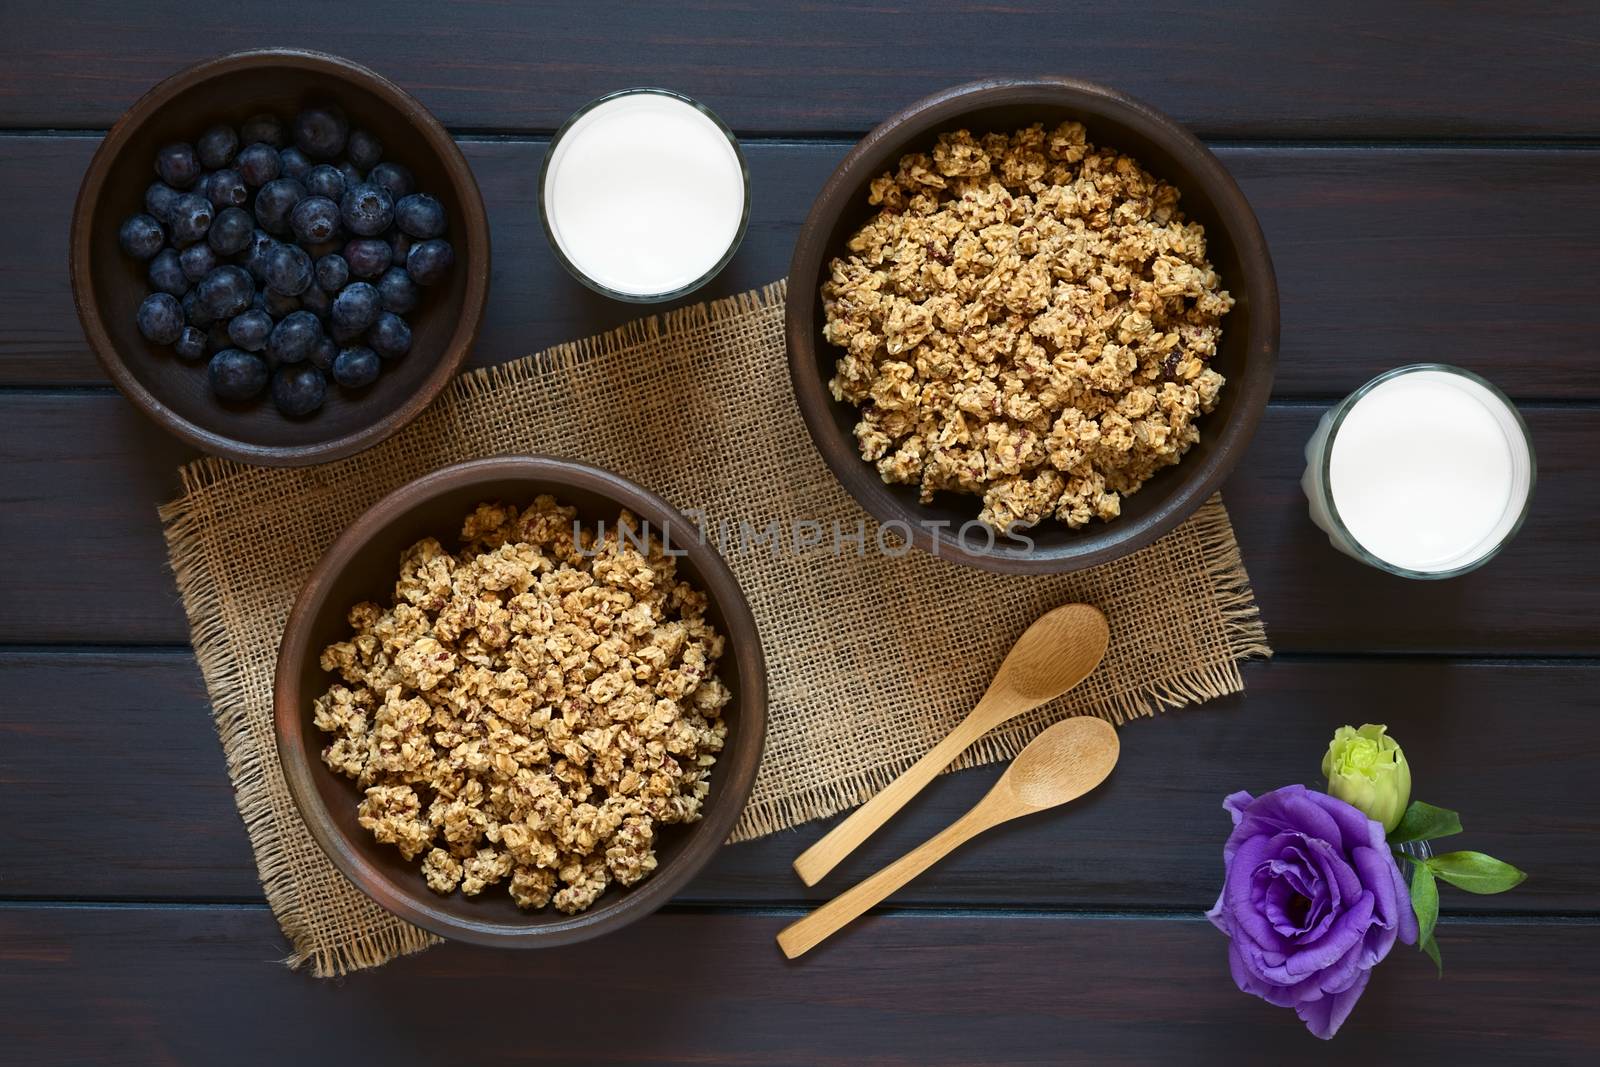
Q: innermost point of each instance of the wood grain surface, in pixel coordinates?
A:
(1425, 175)
(135, 724)
(85, 474)
(1232, 68)
(177, 985)
(1478, 257)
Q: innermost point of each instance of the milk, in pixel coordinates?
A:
(1428, 470)
(644, 194)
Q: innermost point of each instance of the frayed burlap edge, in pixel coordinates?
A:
(250, 768)
(1245, 635)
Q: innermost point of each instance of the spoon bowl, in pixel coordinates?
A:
(1055, 653)
(1062, 764)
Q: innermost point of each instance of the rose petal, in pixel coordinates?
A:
(1356, 828)
(1347, 931)
(1324, 1016)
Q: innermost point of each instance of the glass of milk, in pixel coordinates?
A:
(1425, 472)
(644, 195)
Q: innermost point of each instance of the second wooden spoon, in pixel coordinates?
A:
(1060, 765)
(1059, 650)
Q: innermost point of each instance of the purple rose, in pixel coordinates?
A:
(1311, 901)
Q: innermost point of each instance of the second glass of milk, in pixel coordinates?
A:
(1426, 472)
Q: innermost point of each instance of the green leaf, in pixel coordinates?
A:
(1424, 901)
(1431, 947)
(1424, 822)
(1475, 872)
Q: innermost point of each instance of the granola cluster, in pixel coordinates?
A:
(531, 708)
(1028, 318)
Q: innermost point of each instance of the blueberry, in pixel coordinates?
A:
(350, 173)
(254, 258)
(264, 128)
(401, 243)
(288, 270)
(298, 390)
(166, 273)
(367, 209)
(315, 219)
(419, 215)
(332, 272)
(191, 218)
(178, 166)
(160, 318)
(355, 307)
(249, 330)
(226, 188)
(390, 337)
(195, 312)
(237, 375)
(393, 177)
(430, 261)
(191, 344)
(356, 368)
(226, 291)
(323, 355)
(368, 257)
(292, 163)
(258, 164)
(232, 231)
(364, 149)
(158, 201)
(316, 300)
(274, 202)
(197, 261)
(320, 132)
(293, 339)
(216, 147)
(277, 304)
(397, 291)
(141, 236)
(325, 180)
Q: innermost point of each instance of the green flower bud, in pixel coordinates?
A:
(1367, 770)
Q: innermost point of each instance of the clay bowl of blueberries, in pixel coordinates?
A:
(280, 256)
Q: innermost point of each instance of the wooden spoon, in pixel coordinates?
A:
(1061, 764)
(1058, 651)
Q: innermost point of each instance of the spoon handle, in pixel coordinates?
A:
(843, 839)
(805, 934)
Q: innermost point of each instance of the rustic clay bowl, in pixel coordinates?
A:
(363, 565)
(109, 285)
(1247, 354)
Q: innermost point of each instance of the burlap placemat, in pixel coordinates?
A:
(871, 659)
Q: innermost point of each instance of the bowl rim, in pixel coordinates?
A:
(943, 110)
(477, 262)
(707, 835)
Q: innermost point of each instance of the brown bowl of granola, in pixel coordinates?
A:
(1015, 307)
(520, 702)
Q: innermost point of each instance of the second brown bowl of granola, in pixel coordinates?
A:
(1037, 307)
(520, 702)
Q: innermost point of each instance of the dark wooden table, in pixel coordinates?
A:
(1426, 175)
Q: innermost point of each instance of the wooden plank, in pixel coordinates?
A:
(136, 726)
(186, 985)
(1477, 257)
(1234, 68)
(85, 473)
